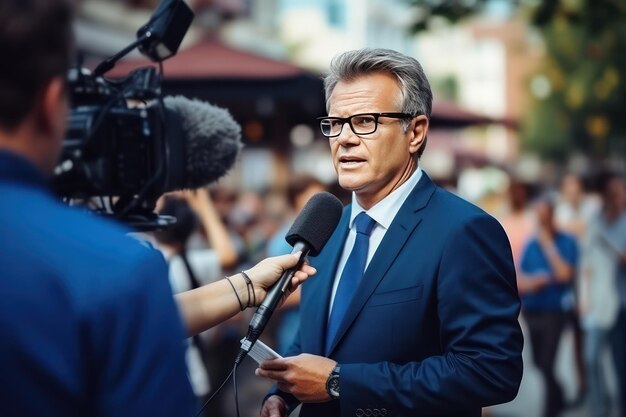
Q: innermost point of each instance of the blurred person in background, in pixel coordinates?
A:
(603, 249)
(299, 190)
(575, 207)
(247, 219)
(222, 341)
(518, 223)
(548, 266)
(190, 269)
(224, 200)
(88, 322)
(574, 210)
(211, 231)
(218, 253)
(616, 188)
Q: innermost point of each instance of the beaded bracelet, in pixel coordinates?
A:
(241, 306)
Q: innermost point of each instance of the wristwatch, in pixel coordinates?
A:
(332, 383)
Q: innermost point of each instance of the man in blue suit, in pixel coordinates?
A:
(414, 310)
(88, 325)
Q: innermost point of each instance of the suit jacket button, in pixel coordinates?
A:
(359, 412)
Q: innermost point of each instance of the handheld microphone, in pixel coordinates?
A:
(308, 234)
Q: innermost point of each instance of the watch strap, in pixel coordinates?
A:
(333, 381)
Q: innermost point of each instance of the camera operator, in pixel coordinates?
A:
(87, 320)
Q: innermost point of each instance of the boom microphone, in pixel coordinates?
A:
(125, 151)
(204, 144)
(131, 152)
(308, 234)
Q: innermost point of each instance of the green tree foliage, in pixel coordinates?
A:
(579, 93)
(585, 106)
(451, 10)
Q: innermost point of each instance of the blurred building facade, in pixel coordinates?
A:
(484, 68)
(476, 70)
(480, 70)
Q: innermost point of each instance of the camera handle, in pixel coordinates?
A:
(110, 62)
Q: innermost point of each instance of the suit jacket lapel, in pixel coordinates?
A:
(403, 224)
(321, 285)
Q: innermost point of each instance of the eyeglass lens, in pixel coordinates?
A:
(360, 124)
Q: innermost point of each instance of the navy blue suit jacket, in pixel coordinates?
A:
(433, 327)
(88, 325)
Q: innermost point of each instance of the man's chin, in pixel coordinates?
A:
(349, 184)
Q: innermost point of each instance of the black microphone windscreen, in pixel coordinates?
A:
(212, 140)
(316, 222)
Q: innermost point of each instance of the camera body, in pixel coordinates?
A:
(112, 147)
(120, 153)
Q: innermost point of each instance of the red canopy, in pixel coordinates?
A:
(246, 82)
(450, 114)
(212, 59)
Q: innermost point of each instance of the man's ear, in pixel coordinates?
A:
(50, 109)
(418, 129)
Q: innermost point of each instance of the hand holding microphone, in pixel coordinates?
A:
(265, 274)
(308, 234)
(209, 305)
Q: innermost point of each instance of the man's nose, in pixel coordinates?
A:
(347, 136)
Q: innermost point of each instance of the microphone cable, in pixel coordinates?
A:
(233, 374)
(308, 234)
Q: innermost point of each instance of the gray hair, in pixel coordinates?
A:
(416, 95)
(414, 87)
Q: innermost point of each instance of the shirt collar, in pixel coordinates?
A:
(16, 168)
(386, 209)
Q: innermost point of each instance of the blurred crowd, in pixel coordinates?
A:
(569, 246)
(568, 243)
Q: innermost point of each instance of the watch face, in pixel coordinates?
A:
(333, 385)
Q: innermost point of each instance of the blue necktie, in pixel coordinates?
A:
(351, 275)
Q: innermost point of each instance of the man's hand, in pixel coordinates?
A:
(304, 376)
(532, 284)
(539, 283)
(274, 406)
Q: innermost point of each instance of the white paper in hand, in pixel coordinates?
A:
(261, 352)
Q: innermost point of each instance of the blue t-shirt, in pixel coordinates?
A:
(88, 323)
(555, 296)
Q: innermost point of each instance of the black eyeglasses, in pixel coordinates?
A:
(361, 124)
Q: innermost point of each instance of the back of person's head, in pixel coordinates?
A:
(518, 195)
(300, 184)
(416, 95)
(178, 233)
(613, 191)
(36, 45)
(547, 199)
(544, 206)
(572, 187)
